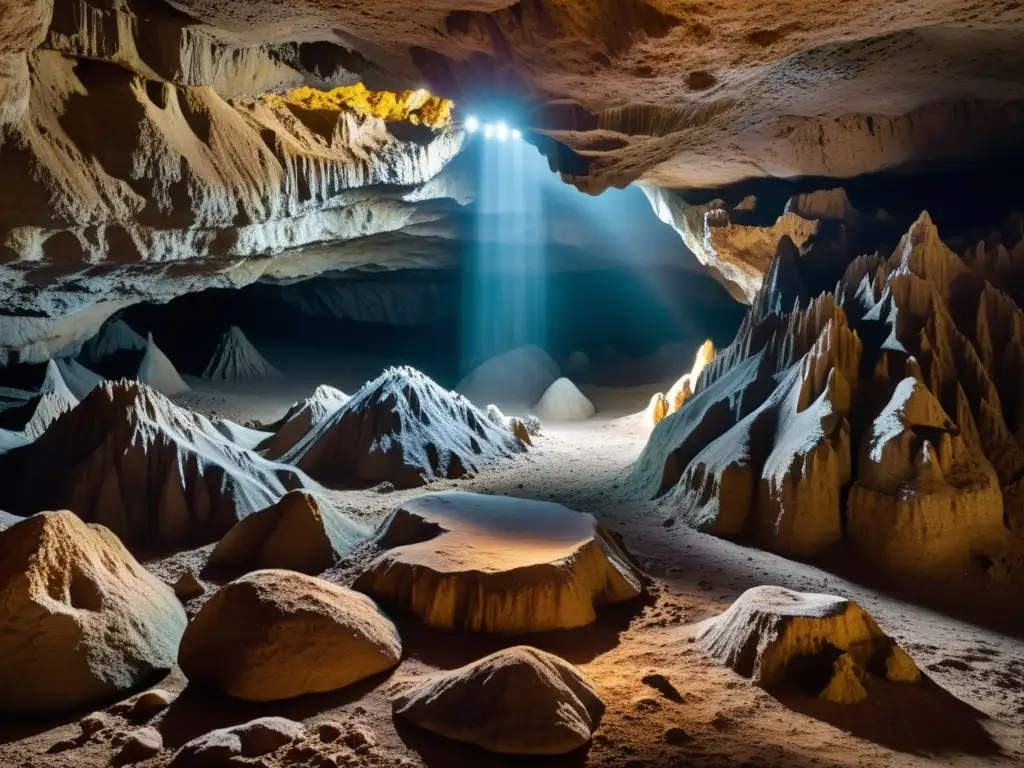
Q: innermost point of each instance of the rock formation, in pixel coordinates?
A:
(35, 415)
(302, 532)
(562, 401)
(115, 336)
(79, 379)
(497, 564)
(278, 634)
(300, 420)
(246, 741)
(402, 428)
(518, 701)
(825, 644)
(517, 378)
(243, 437)
(154, 473)
(662, 405)
(829, 204)
(893, 385)
(236, 359)
(157, 371)
(82, 621)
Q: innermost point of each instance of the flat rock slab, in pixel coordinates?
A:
(497, 564)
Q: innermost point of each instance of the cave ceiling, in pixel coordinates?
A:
(148, 149)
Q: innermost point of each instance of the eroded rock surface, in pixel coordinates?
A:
(278, 634)
(518, 701)
(81, 619)
(497, 564)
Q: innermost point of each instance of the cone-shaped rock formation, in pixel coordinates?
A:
(157, 371)
(564, 402)
(80, 380)
(236, 359)
(497, 564)
(301, 418)
(405, 429)
(152, 472)
(81, 620)
(518, 701)
(302, 532)
(114, 337)
(278, 634)
(35, 416)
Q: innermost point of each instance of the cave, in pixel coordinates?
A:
(610, 383)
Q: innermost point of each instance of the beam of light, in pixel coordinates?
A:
(516, 134)
(501, 131)
(488, 131)
(472, 124)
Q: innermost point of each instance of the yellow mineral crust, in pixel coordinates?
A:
(419, 107)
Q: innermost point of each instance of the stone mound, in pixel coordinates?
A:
(403, 428)
(154, 473)
(824, 644)
(300, 420)
(250, 740)
(236, 359)
(301, 532)
(79, 379)
(157, 371)
(82, 621)
(517, 378)
(518, 701)
(37, 414)
(888, 399)
(564, 402)
(497, 564)
(116, 336)
(279, 634)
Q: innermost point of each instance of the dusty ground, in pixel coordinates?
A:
(969, 711)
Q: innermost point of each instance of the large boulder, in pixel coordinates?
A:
(497, 564)
(278, 634)
(405, 429)
(825, 644)
(517, 378)
(301, 532)
(80, 620)
(518, 701)
(564, 402)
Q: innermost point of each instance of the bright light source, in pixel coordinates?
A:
(488, 131)
(472, 124)
(516, 134)
(501, 131)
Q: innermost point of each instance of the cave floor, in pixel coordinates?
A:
(969, 709)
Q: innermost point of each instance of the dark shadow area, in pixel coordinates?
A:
(920, 719)
(199, 710)
(440, 752)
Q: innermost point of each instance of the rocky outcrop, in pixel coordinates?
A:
(34, 416)
(82, 620)
(825, 644)
(518, 701)
(236, 359)
(154, 473)
(828, 204)
(497, 564)
(157, 371)
(301, 532)
(404, 429)
(300, 419)
(887, 400)
(278, 634)
(562, 401)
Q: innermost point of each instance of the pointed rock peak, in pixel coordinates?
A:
(80, 380)
(114, 337)
(236, 359)
(54, 382)
(158, 372)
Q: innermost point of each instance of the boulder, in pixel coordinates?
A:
(231, 746)
(157, 371)
(301, 532)
(188, 587)
(279, 634)
(80, 620)
(403, 428)
(518, 701)
(497, 564)
(824, 644)
(516, 378)
(564, 402)
(236, 359)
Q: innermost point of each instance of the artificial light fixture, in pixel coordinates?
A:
(516, 134)
(472, 124)
(501, 131)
